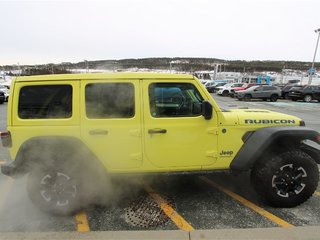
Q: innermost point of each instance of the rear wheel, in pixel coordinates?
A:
(307, 98)
(287, 179)
(55, 191)
(247, 97)
(274, 98)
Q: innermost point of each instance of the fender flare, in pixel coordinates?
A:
(258, 142)
(27, 155)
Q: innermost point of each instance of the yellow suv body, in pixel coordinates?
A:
(139, 123)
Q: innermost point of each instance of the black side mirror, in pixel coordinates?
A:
(206, 110)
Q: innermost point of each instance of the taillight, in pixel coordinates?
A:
(6, 139)
(302, 123)
(318, 139)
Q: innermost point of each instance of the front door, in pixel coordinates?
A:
(111, 122)
(176, 135)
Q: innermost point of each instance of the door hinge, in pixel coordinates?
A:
(212, 131)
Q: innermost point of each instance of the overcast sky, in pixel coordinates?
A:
(34, 32)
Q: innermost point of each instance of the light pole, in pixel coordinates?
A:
(87, 67)
(314, 57)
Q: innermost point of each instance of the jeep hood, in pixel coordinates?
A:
(263, 117)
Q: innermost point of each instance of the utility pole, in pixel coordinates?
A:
(311, 70)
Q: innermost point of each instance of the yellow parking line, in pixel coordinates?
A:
(178, 220)
(4, 190)
(317, 193)
(248, 204)
(82, 222)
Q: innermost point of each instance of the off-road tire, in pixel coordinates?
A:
(307, 98)
(1, 102)
(247, 97)
(40, 187)
(274, 98)
(294, 168)
(88, 175)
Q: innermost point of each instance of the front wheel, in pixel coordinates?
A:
(274, 98)
(225, 93)
(54, 191)
(287, 179)
(307, 98)
(247, 97)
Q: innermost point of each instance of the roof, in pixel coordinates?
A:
(97, 76)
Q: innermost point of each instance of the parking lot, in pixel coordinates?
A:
(218, 200)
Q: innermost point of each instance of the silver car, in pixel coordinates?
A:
(259, 92)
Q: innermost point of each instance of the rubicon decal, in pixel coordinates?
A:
(269, 121)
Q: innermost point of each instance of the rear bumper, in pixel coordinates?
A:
(10, 170)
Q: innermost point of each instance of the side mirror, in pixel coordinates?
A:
(206, 110)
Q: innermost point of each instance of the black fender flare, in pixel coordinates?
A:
(258, 142)
(27, 157)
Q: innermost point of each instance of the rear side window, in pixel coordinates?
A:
(269, 88)
(109, 100)
(45, 102)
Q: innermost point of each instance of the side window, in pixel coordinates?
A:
(109, 100)
(268, 88)
(174, 100)
(45, 102)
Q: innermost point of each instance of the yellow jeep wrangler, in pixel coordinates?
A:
(67, 131)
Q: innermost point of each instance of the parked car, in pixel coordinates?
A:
(214, 87)
(243, 87)
(6, 91)
(259, 92)
(2, 97)
(286, 89)
(225, 90)
(305, 93)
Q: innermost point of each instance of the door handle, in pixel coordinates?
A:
(157, 130)
(98, 132)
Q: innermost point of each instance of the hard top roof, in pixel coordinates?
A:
(97, 76)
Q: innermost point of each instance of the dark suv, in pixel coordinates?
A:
(2, 97)
(213, 88)
(286, 89)
(305, 93)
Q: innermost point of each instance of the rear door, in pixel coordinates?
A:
(111, 122)
(316, 92)
(176, 135)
